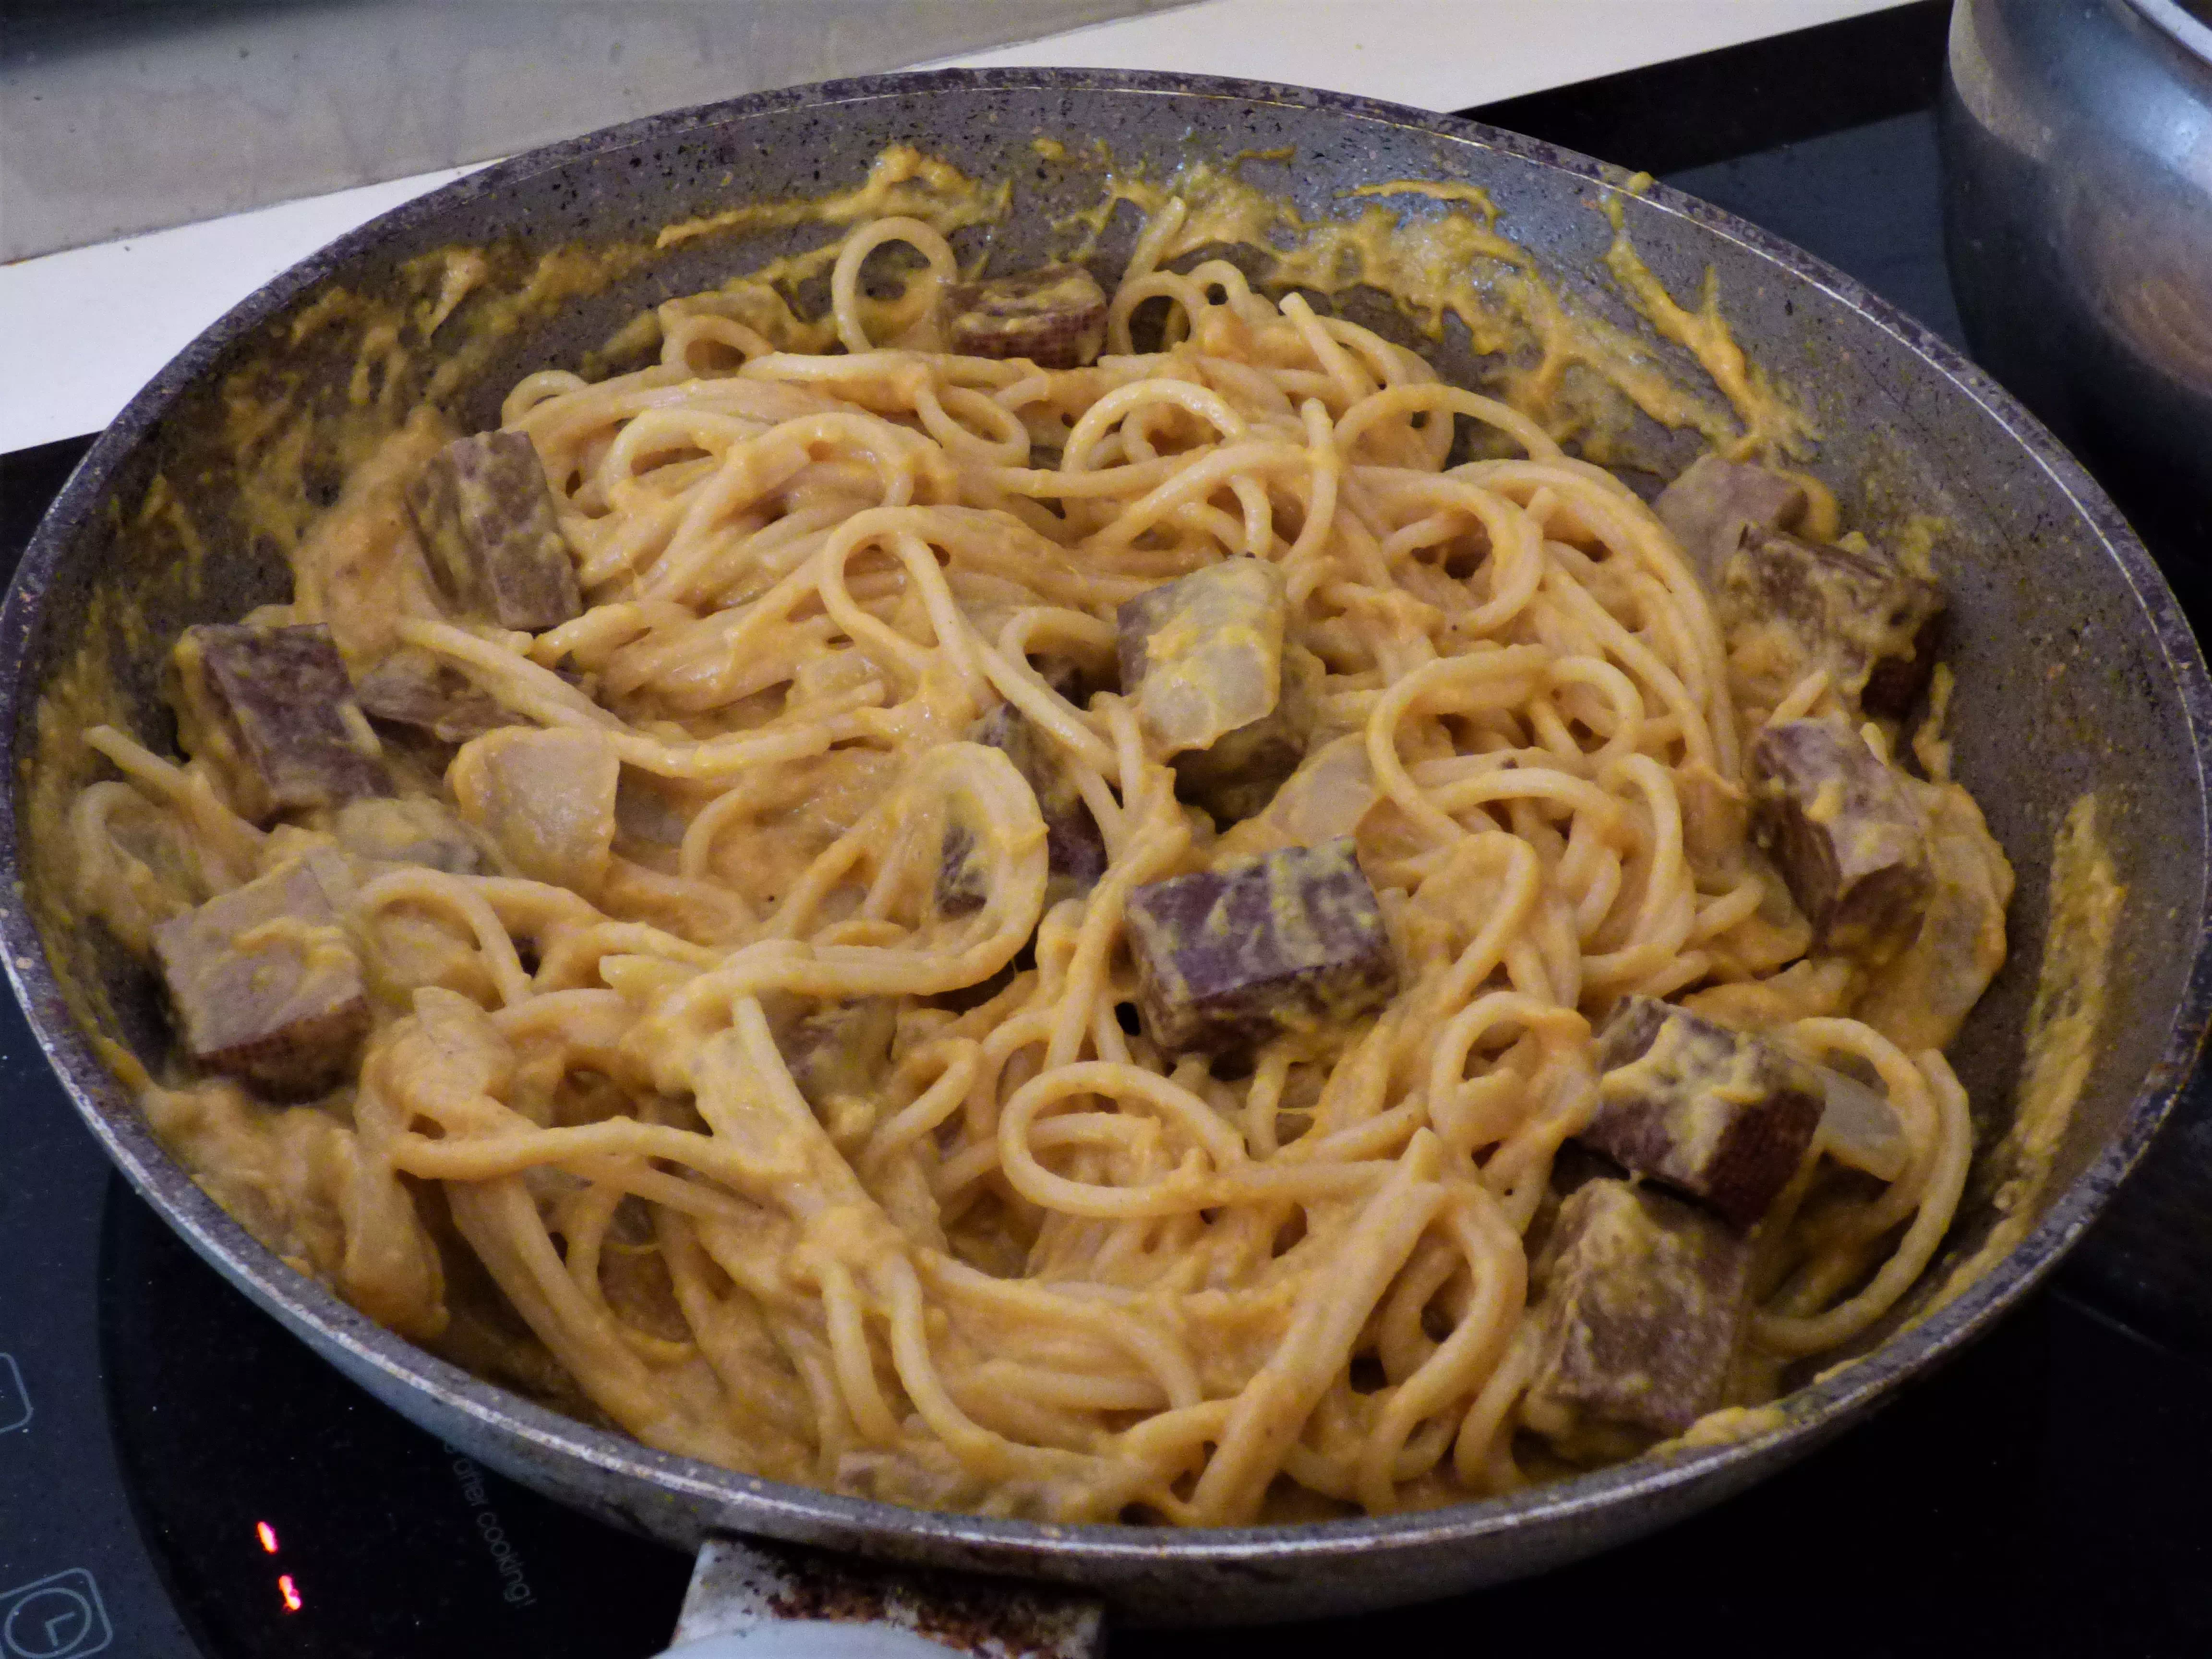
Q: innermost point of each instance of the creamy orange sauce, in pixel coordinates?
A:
(1772, 422)
(2072, 988)
(1578, 373)
(1575, 373)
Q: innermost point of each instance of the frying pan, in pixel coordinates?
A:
(2076, 673)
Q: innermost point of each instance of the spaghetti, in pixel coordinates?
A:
(733, 1131)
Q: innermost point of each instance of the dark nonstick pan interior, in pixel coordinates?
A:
(2076, 675)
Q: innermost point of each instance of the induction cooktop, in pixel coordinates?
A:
(182, 1480)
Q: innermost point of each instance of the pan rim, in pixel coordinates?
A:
(309, 1309)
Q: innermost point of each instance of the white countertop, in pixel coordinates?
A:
(84, 329)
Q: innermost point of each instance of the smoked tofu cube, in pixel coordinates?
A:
(545, 799)
(1054, 317)
(1075, 851)
(1853, 610)
(1788, 605)
(1641, 1307)
(1291, 942)
(1720, 1116)
(263, 984)
(485, 516)
(1846, 833)
(281, 697)
(1717, 505)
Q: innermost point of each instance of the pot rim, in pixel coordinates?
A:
(581, 1451)
(2180, 24)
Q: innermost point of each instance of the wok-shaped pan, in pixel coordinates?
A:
(2076, 671)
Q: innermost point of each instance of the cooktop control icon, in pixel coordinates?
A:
(15, 1399)
(56, 1618)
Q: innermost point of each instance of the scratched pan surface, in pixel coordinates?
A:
(2076, 672)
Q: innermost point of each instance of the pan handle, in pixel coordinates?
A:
(752, 1600)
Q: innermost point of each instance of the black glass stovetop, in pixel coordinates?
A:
(182, 1480)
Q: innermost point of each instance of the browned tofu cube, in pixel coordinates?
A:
(263, 984)
(1055, 317)
(1719, 1116)
(1291, 942)
(1717, 505)
(417, 691)
(1641, 1307)
(1846, 833)
(1854, 610)
(483, 514)
(1075, 852)
(283, 696)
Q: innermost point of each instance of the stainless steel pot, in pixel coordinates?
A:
(2076, 673)
(2077, 150)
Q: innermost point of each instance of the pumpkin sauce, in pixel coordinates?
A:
(316, 450)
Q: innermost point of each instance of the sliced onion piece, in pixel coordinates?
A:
(1861, 1128)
